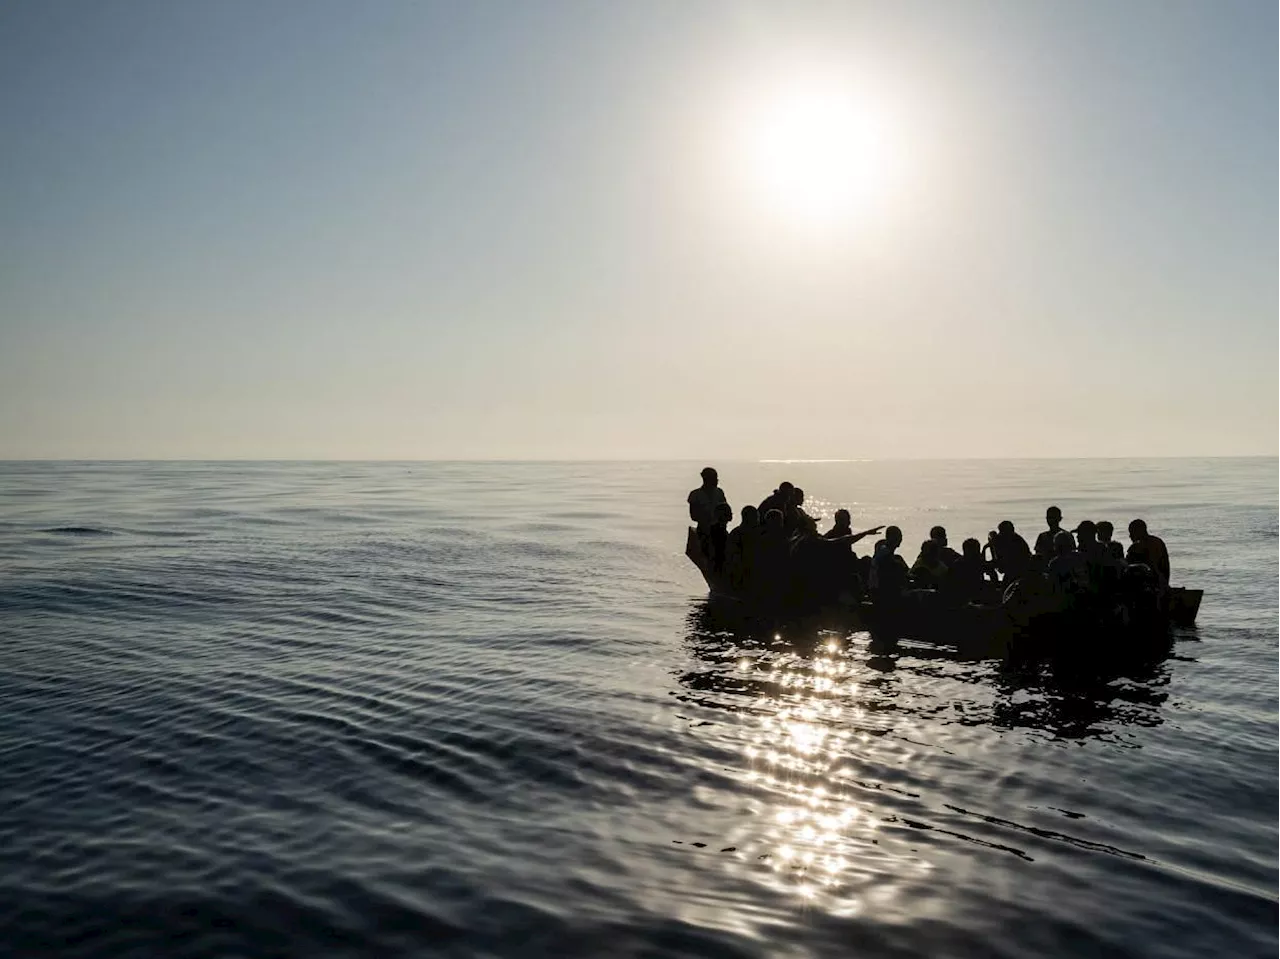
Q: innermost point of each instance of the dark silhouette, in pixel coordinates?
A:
(1148, 550)
(841, 526)
(1010, 553)
(928, 571)
(1046, 542)
(783, 565)
(704, 503)
(1103, 568)
(741, 546)
(965, 579)
(1067, 570)
(779, 499)
(719, 536)
(889, 577)
(1105, 532)
(842, 529)
(773, 558)
(795, 518)
(822, 567)
(948, 555)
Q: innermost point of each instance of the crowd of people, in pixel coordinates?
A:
(776, 552)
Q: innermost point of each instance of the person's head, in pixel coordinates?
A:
(843, 519)
(773, 520)
(938, 535)
(893, 537)
(972, 548)
(750, 516)
(1105, 531)
(785, 489)
(1005, 528)
(797, 496)
(1087, 533)
(724, 513)
(1138, 530)
(710, 477)
(929, 550)
(1063, 543)
(1053, 516)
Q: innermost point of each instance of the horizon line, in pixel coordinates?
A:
(619, 459)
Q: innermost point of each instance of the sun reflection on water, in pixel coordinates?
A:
(817, 838)
(832, 735)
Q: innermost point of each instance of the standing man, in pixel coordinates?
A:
(1046, 545)
(704, 510)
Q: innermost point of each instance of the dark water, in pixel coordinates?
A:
(482, 710)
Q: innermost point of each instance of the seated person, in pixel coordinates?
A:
(773, 558)
(1101, 565)
(842, 526)
(740, 548)
(1046, 542)
(965, 579)
(1068, 572)
(843, 530)
(1148, 550)
(719, 534)
(1010, 553)
(948, 555)
(795, 518)
(1105, 532)
(889, 577)
(778, 499)
(821, 568)
(929, 570)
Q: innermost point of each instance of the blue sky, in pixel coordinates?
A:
(401, 230)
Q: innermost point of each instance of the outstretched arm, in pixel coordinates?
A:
(865, 533)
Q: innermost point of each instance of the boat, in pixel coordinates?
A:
(923, 616)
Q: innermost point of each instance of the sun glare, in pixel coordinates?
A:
(814, 151)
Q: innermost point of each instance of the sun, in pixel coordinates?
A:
(813, 151)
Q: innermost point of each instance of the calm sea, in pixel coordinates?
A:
(439, 709)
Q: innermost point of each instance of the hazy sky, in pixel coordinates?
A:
(654, 229)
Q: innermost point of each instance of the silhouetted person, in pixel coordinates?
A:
(795, 518)
(928, 571)
(704, 503)
(1067, 571)
(741, 546)
(1105, 532)
(773, 559)
(1010, 552)
(1148, 550)
(1046, 542)
(822, 567)
(1101, 564)
(841, 526)
(719, 535)
(779, 499)
(964, 580)
(889, 575)
(948, 555)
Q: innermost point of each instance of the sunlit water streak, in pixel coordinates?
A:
(485, 709)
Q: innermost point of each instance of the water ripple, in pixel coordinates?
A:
(480, 710)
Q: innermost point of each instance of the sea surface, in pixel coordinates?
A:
(483, 709)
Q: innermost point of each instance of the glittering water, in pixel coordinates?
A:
(484, 709)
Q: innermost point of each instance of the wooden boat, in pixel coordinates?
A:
(924, 618)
